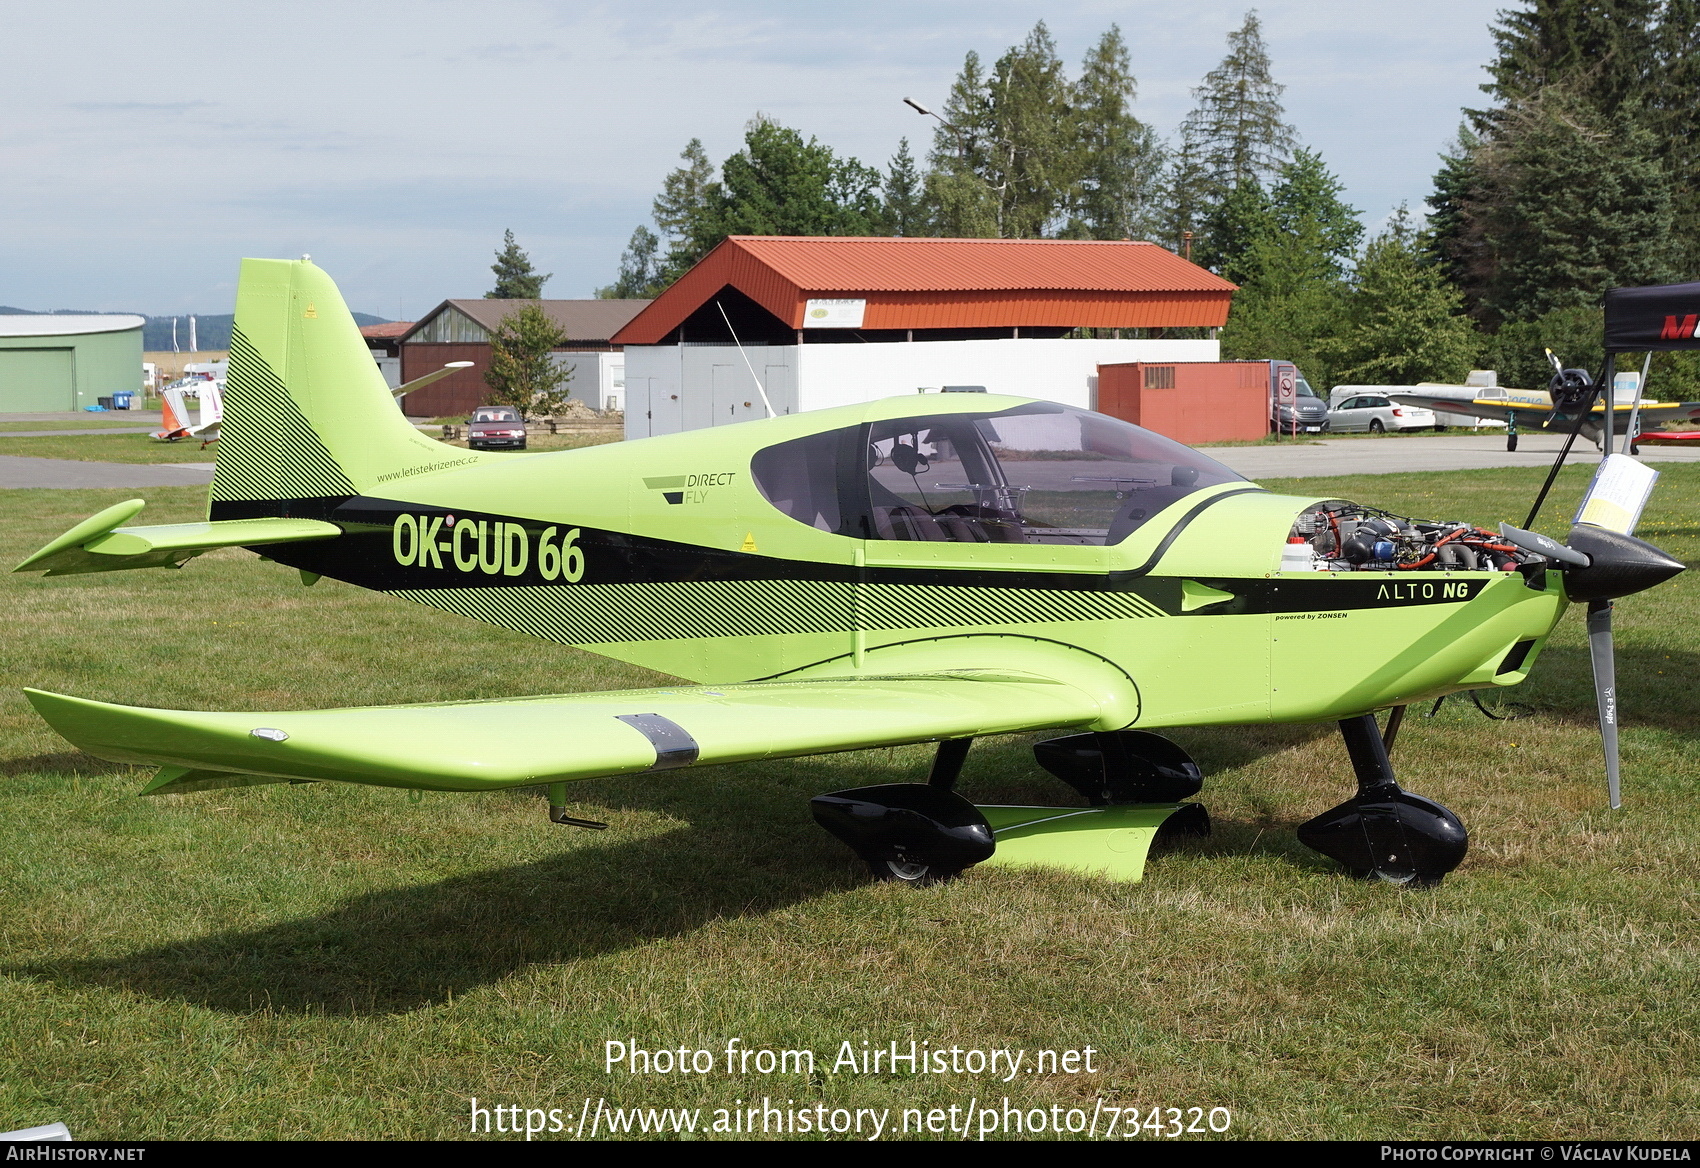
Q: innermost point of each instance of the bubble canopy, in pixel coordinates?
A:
(1036, 473)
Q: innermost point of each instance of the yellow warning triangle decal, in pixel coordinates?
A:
(749, 544)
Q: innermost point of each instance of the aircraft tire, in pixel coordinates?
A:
(1400, 880)
(915, 875)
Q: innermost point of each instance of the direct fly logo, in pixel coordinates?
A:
(691, 488)
(492, 547)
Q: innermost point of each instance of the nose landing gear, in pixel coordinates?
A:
(1385, 832)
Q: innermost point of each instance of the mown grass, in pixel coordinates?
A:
(329, 961)
(134, 448)
(111, 423)
(96, 447)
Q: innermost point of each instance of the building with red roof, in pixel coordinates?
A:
(834, 320)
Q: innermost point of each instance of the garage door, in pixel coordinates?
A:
(32, 380)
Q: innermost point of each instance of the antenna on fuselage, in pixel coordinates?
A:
(760, 389)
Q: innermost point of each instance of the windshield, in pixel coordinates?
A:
(1039, 473)
(1304, 388)
(501, 414)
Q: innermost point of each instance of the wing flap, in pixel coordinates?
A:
(475, 746)
(98, 544)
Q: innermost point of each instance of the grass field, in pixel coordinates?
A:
(98, 447)
(120, 421)
(141, 448)
(341, 962)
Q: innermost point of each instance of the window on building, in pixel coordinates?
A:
(1039, 473)
(451, 327)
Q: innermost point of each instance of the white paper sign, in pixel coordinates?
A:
(1619, 491)
(834, 313)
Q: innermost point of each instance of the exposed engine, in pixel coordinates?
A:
(1337, 536)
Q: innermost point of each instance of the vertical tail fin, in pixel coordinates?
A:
(306, 412)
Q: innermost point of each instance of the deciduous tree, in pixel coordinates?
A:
(640, 274)
(523, 372)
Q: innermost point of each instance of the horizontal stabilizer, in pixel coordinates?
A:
(476, 746)
(98, 544)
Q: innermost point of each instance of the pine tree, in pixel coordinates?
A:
(1121, 163)
(1586, 168)
(1568, 202)
(962, 197)
(1291, 269)
(1601, 51)
(684, 207)
(1037, 160)
(1238, 122)
(640, 269)
(1005, 158)
(1668, 111)
(1235, 136)
(1452, 237)
(1185, 199)
(516, 279)
(905, 210)
(1403, 323)
(522, 371)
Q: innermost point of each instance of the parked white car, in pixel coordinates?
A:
(1375, 413)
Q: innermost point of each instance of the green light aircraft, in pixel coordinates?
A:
(915, 569)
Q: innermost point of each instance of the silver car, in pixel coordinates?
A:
(1377, 414)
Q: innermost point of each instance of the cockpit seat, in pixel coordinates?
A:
(905, 522)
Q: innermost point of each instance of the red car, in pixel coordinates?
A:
(496, 428)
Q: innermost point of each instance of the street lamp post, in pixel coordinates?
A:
(997, 189)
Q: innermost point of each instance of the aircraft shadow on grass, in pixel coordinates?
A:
(750, 849)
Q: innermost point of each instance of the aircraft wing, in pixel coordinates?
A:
(98, 544)
(1450, 405)
(486, 745)
(1495, 409)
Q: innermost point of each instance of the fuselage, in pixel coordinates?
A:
(703, 555)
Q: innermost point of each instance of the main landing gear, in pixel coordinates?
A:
(925, 833)
(1385, 832)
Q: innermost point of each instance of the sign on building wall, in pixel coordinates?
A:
(834, 313)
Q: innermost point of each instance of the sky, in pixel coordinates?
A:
(146, 148)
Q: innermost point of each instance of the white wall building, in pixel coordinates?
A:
(687, 386)
(598, 379)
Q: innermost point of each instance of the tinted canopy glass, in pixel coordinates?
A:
(1038, 473)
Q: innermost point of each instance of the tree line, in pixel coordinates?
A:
(1577, 176)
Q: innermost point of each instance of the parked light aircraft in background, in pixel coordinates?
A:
(903, 571)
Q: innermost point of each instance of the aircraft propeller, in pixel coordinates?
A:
(1601, 566)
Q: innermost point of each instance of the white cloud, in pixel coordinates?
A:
(148, 148)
